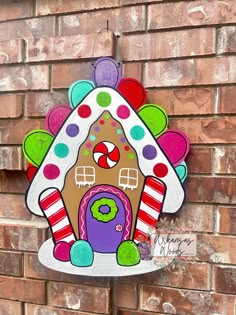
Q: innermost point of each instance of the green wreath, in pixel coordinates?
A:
(104, 217)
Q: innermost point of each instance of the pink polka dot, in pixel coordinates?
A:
(51, 171)
(88, 145)
(84, 111)
(113, 124)
(123, 112)
(160, 170)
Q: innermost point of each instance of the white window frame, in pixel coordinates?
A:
(128, 177)
(81, 171)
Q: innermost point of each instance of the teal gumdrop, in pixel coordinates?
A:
(182, 171)
(78, 90)
(128, 254)
(81, 254)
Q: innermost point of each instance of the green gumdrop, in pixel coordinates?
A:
(182, 171)
(128, 254)
(81, 254)
(154, 117)
(78, 90)
(36, 145)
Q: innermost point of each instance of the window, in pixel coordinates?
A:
(128, 178)
(84, 175)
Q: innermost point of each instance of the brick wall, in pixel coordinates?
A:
(185, 54)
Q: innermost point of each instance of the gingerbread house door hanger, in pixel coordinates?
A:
(101, 174)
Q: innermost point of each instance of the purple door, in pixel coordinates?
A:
(105, 218)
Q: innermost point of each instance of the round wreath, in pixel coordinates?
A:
(104, 217)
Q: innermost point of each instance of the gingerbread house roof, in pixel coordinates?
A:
(74, 131)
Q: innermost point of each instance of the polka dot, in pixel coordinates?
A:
(160, 170)
(123, 112)
(137, 132)
(149, 152)
(131, 156)
(122, 140)
(102, 122)
(61, 150)
(106, 116)
(86, 152)
(113, 124)
(88, 145)
(92, 138)
(96, 129)
(72, 130)
(119, 131)
(84, 111)
(126, 148)
(103, 99)
(51, 171)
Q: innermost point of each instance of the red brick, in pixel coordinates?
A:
(10, 264)
(207, 130)
(13, 182)
(27, 28)
(225, 160)
(10, 307)
(191, 101)
(126, 295)
(13, 105)
(180, 274)
(211, 189)
(71, 72)
(127, 312)
(45, 7)
(16, 9)
(10, 158)
(70, 47)
(133, 70)
(193, 42)
(226, 220)
(24, 290)
(173, 301)
(188, 13)
(227, 40)
(24, 78)
(46, 310)
(199, 160)
(226, 95)
(13, 206)
(19, 236)
(225, 279)
(128, 2)
(38, 104)
(79, 297)
(34, 269)
(14, 131)
(191, 72)
(187, 218)
(217, 248)
(11, 51)
(121, 20)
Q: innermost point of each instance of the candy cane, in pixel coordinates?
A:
(150, 208)
(51, 203)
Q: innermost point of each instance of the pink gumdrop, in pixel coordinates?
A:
(175, 145)
(62, 251)
(56, 116)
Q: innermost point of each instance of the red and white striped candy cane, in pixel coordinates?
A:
(150, 208)
(52, 204)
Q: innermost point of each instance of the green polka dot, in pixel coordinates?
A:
(92, 138)
(61, 150)
(131, 156)
(103, 99)
(106, 116)
(137, 132)
(86, 152)
(119, 131)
